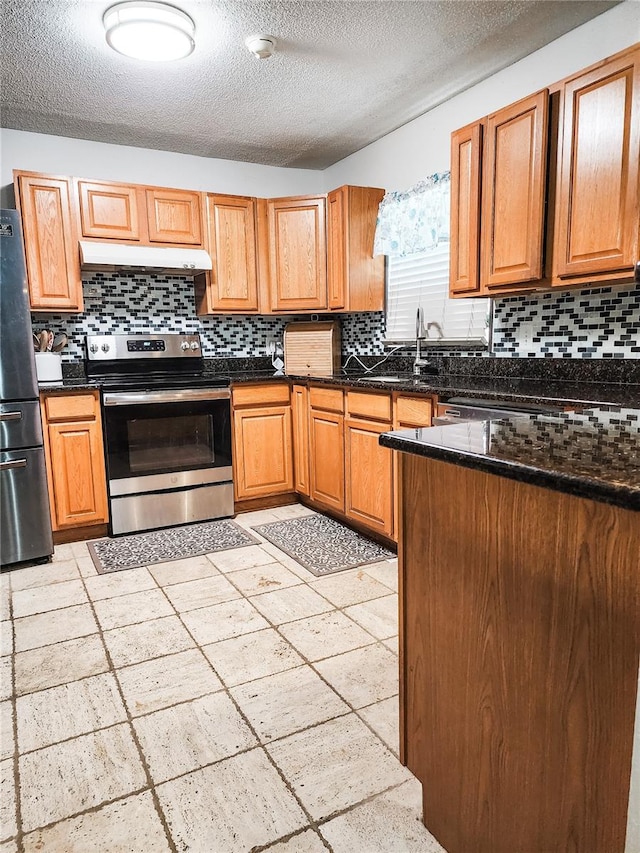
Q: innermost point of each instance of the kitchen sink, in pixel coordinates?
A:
(389, 379)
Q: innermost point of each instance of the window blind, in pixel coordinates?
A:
(422, 281)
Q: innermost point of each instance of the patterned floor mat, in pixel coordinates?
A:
(161, 546)
(322, 544)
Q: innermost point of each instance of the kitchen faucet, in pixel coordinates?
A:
(420, 335)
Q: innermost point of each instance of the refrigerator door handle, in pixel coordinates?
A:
(15, 463)
(10, 416)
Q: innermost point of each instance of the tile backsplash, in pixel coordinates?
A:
(599, 323)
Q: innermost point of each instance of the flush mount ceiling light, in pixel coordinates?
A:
(153, 31)
(261, 46)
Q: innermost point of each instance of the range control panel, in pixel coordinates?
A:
(120, 347)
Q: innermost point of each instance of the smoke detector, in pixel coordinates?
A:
(261, 46)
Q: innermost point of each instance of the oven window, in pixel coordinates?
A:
(163, 438)
(179, 442)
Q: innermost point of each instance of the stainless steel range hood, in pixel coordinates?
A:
(116, 256)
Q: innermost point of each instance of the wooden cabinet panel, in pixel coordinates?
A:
(368, 476)
(355, 278)
(50, 241)
(514, 190)
(596, 223)
(75, 460)
(263, 451)
(261, 395)
(519, 650)
(298, 253)
(412, 412)
(174, 216)
(369, 405)
(109, 211)
(327, 459)
(336, 249)
(466, 162)
(300, 415)
(330, 399)
(231, 222)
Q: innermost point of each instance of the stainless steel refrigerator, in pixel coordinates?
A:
(25, 524)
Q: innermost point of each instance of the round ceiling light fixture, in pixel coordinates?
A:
(149, 30)
(261, 46)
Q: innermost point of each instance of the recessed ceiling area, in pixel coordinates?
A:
(344, 73)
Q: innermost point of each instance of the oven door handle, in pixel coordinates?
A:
(140, 398)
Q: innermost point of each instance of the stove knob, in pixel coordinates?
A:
(105, 347)
(194, 345)
(93, 348)
(184, 345)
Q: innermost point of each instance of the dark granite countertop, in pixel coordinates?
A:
(594, 454)
(513, 389)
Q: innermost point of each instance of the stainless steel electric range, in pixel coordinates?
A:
(167, 431)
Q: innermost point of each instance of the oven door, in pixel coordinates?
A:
(164, 440)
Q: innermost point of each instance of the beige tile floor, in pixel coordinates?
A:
(225, 703)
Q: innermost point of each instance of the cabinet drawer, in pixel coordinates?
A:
(374, 406)
(71, 408)
(329, 399)
(413, 411)
(260, 395)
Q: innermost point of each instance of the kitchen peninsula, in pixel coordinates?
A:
(520, 628)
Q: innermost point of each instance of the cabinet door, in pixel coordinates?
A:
(78, 474)
(514, 191)
(109, 211)
(368, 476)
(232, 244)
(50, 242)
(336, 249)
(298, 254)
(466, 163)
(263, 451)
(174, 216)
(300, 413)
(596, 226)
(327, 459)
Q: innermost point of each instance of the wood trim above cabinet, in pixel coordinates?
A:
(597, 206)
(50, 234)
(514, 193)
(466, 180)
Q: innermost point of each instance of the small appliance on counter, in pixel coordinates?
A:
(25, 521)
(312, 349)
(167, 431)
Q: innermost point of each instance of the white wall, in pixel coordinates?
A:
(421, 147)
(57, 155)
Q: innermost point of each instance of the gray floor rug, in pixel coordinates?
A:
(161, 546)
(322, 544)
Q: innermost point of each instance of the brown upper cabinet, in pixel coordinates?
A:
(355, 278)
(109, 211)
(517, 225)
(298, 253)
(232, 285)
(50, 240)
(513, 193)
(174, 216)
(466, 161)
(597, 212)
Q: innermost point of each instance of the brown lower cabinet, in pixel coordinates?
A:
(263, 447)
(326, 444)
(368, 475)
(75, 459)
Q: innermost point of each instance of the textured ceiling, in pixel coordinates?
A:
(345, 73)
